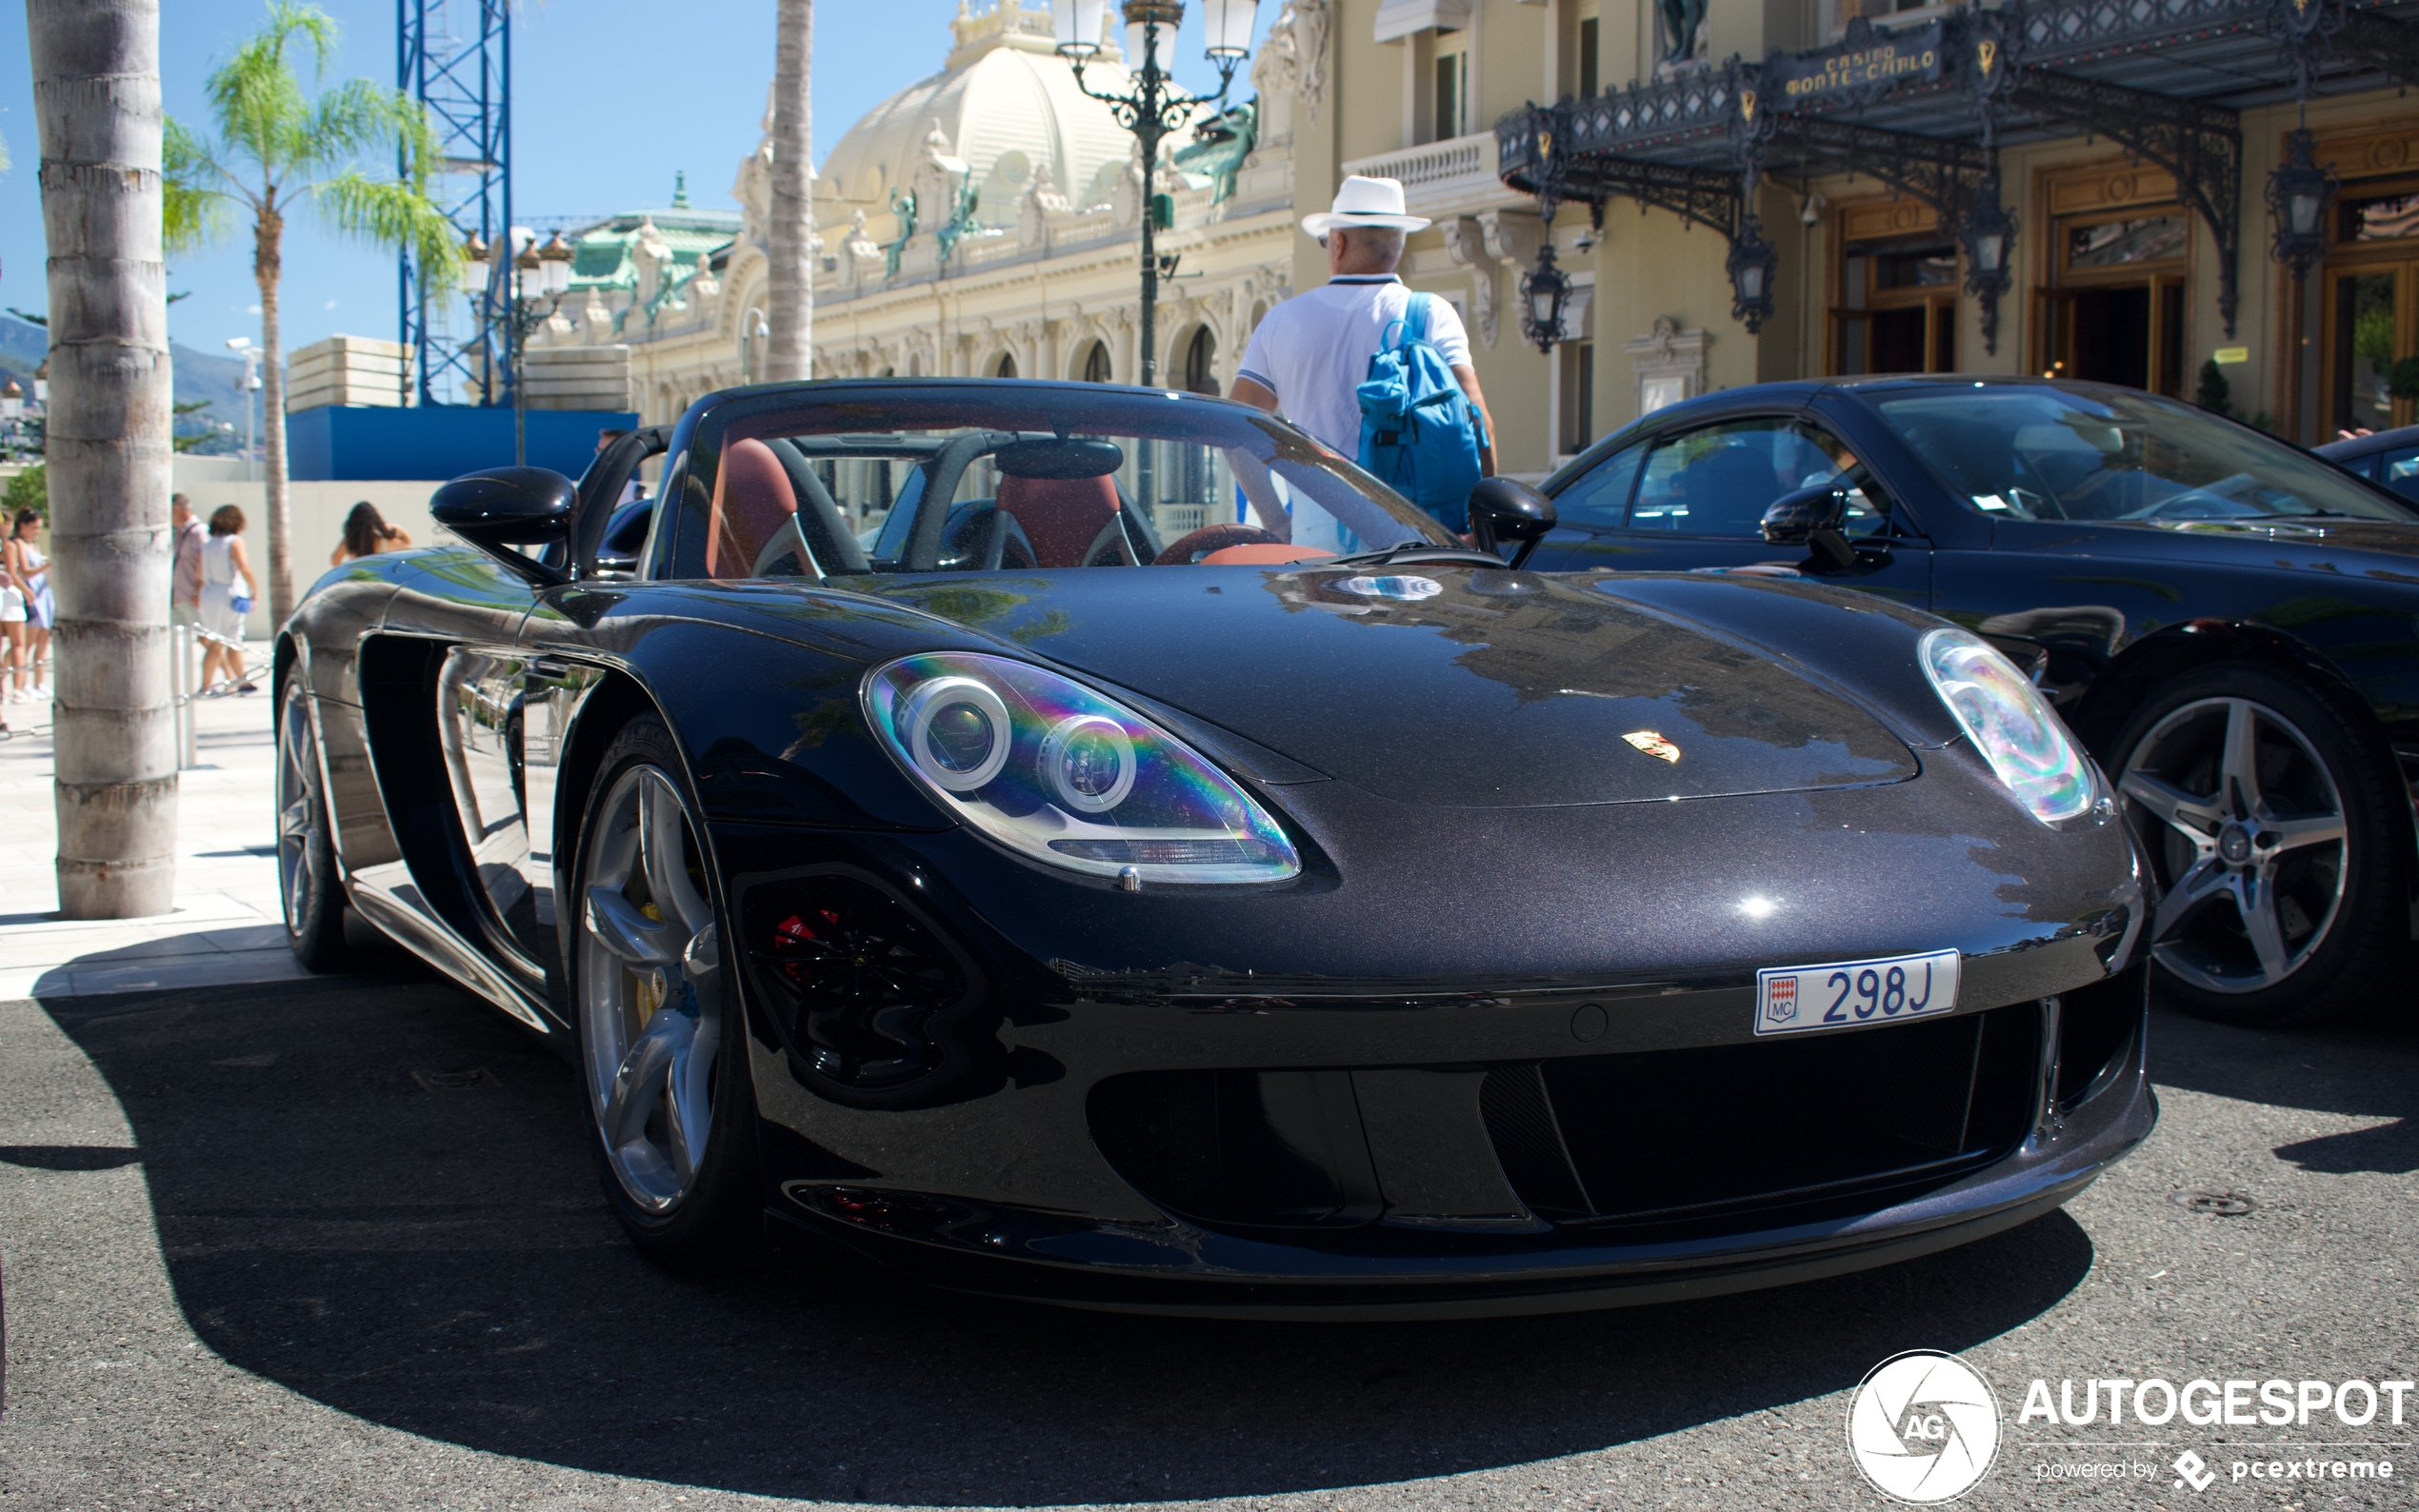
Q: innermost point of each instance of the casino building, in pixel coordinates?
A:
(2181, 195)
(983, 220)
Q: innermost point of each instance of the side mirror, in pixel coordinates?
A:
(1502, 511)
(1814, 518)
(497, 508)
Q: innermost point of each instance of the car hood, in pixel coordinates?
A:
(1442, 684)
(2378, 549)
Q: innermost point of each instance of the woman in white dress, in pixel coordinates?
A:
(224, 603)
(29, 573)
(12, 629)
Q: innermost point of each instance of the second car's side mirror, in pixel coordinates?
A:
(1502, 511)
(498, 508)
(1816, 518)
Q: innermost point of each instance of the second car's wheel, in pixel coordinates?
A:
(308, 885)
(663, 1048)
(2269, 824)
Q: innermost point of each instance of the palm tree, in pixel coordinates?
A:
(275, 149)
(789, 287)
(96, 100)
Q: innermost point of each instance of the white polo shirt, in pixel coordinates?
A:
(1313, 351)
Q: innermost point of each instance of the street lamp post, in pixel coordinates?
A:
(1155, 108)
(242, 347)
(540, 277)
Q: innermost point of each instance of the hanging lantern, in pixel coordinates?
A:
(1751, 265)
(555, 258)
(1228, 26)
(2299, 193)
(11, 401)
(474, 263)
(528, 274)
(1544, 291)
(1986, 231)
(1078, 24)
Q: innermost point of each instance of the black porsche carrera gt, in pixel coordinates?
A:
(1097, 844)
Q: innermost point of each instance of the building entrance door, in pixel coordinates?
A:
(2115, 313)
(2371, 310)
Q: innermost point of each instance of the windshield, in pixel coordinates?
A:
(2042, 453)
(843, 479)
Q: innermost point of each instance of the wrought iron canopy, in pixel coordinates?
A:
(1924, 108)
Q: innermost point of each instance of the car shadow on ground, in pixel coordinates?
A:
(376, 1195)
(2360, 1070)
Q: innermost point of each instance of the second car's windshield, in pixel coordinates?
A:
(2105, 455)
(932, 478)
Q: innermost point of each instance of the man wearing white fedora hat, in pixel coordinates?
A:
(1311, 351)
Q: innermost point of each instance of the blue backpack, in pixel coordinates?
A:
(1419, 433)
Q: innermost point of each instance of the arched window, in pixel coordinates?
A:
(1096, 363)
(1201, 354)
(1005, 367)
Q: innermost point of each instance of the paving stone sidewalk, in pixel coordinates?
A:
(226, 926)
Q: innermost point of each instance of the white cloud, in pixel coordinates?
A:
(330, 304)
(252, 309)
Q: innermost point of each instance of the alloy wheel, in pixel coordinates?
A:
(298, 806)
(650, 995)
(2245, 829)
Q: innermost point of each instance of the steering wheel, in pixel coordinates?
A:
(1187, 549)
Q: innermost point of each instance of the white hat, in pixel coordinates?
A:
(1364, 202)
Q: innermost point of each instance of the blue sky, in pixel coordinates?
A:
(611, 98)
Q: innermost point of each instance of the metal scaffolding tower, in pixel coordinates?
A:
(464, 79)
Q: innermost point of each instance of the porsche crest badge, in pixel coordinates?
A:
(1653, 745)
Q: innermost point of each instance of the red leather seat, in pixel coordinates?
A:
(1060, 516)
(752, 499)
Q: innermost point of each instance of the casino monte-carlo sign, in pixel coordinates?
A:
(1877, 61)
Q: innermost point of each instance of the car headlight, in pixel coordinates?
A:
(1053, 770)
(2008, 722)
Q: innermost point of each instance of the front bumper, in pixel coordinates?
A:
(1382, 1271)
(1027, 1167)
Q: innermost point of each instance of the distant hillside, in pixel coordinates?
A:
(214, 381)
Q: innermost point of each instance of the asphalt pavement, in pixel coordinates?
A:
(338, 1243)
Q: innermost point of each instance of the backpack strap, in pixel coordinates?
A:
(1408, 327)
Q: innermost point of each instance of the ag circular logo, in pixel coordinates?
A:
(1923, 1426)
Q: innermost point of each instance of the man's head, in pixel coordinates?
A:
(606, 437)
(1363, 249)
(180, 511)
(1364, 233)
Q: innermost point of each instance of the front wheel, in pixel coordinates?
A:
(307, 882)
(2271, 827)
(663, 1052)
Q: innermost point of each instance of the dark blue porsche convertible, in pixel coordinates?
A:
(1097, 844)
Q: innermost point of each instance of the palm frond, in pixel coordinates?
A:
(193, 206)
(388, 213)
(355, 119)
(256, 100)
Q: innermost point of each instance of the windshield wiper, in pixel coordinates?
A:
(1410, 551)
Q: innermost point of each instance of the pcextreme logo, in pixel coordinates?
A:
(1923, 1426)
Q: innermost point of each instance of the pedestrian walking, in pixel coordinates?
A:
(29, 570)
(185, 581)
(228, 591)
(1310, 355)
(366, 534)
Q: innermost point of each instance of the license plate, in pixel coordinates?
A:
(1844, 994)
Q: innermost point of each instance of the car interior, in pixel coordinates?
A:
(1017, 501)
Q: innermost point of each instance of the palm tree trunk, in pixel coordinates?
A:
(790, 286)
(267, 268)
(97, 102)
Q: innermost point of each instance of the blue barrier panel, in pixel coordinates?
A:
(436, 440)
